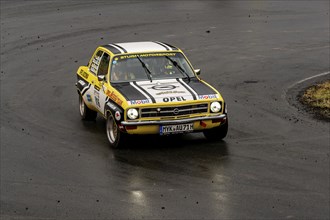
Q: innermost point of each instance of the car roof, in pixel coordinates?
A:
(139, 47)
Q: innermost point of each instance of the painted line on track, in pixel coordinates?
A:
(308, 78)
(286, 91)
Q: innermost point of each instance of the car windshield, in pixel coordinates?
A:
(149, 66)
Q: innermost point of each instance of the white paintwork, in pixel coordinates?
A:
(138, 47)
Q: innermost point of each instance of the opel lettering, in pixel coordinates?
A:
(172, 99)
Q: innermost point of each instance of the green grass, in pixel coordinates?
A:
(318, 97)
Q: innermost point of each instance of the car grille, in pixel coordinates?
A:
(174, 111)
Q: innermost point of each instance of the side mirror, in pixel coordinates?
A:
(101, 78)
(198, 71)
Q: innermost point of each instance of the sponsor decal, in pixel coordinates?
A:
(112, 106)
(95, 64)
(96, 60)
(97, 88)
(89, 98)
(114, 97)
(169, 92)
(211, 96)
(137, 102)
(117, 115)
(94, 68)
(147, 55)
(84, 74)
(81, 82)
(97, 98)
(163, 87)
(174, 99)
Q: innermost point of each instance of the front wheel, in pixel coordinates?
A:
(217, 133)
(115, 136)
(86, 113)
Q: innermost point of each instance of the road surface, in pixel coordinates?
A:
(274, 163)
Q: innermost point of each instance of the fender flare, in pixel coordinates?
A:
(111, 107)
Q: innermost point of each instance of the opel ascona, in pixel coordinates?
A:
(148, 88)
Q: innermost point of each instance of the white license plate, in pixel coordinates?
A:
(172, 129)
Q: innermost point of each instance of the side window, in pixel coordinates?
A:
(104, 65)
(96, 62)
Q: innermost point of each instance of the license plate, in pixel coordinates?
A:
(172, 129)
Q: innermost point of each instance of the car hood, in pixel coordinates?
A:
(165, 91)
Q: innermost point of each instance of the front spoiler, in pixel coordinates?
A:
(179, 121)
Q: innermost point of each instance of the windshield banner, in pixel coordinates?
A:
(146, 55)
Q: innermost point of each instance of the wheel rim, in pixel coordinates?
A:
(81, 106)
(112, 130)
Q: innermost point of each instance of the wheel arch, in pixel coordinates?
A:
(111, 108)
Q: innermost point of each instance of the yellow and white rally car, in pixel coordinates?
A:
(148, 88)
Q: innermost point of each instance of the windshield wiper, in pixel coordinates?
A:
(145, 68)
(178, 67)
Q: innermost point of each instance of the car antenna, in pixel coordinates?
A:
(145, 68)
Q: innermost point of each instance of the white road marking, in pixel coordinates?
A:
(285, 92)
(308, 78)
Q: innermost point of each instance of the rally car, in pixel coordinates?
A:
(148, 88)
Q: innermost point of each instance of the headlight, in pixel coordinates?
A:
(132, 113)
(215, 107)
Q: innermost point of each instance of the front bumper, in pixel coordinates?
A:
(154, 127)
(174, 121)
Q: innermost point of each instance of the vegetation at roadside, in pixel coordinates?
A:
(318, 98)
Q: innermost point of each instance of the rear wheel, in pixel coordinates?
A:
(217, 133)
(116, 138)
(86, 113)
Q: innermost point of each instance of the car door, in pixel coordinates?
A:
(88, 77)
(100, 83)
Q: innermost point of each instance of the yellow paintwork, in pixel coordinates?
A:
(121, 101)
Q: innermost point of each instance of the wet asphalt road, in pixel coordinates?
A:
(274, 162)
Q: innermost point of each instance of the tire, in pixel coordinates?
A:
(217, 133)
(86, 113)
(115, 137)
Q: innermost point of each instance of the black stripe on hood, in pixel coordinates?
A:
(187, 88)
(199, 87)
(128, 91)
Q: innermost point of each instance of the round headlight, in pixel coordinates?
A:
(132, 113)
(215, 107)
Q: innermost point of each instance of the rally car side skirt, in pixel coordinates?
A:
(222, 116)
